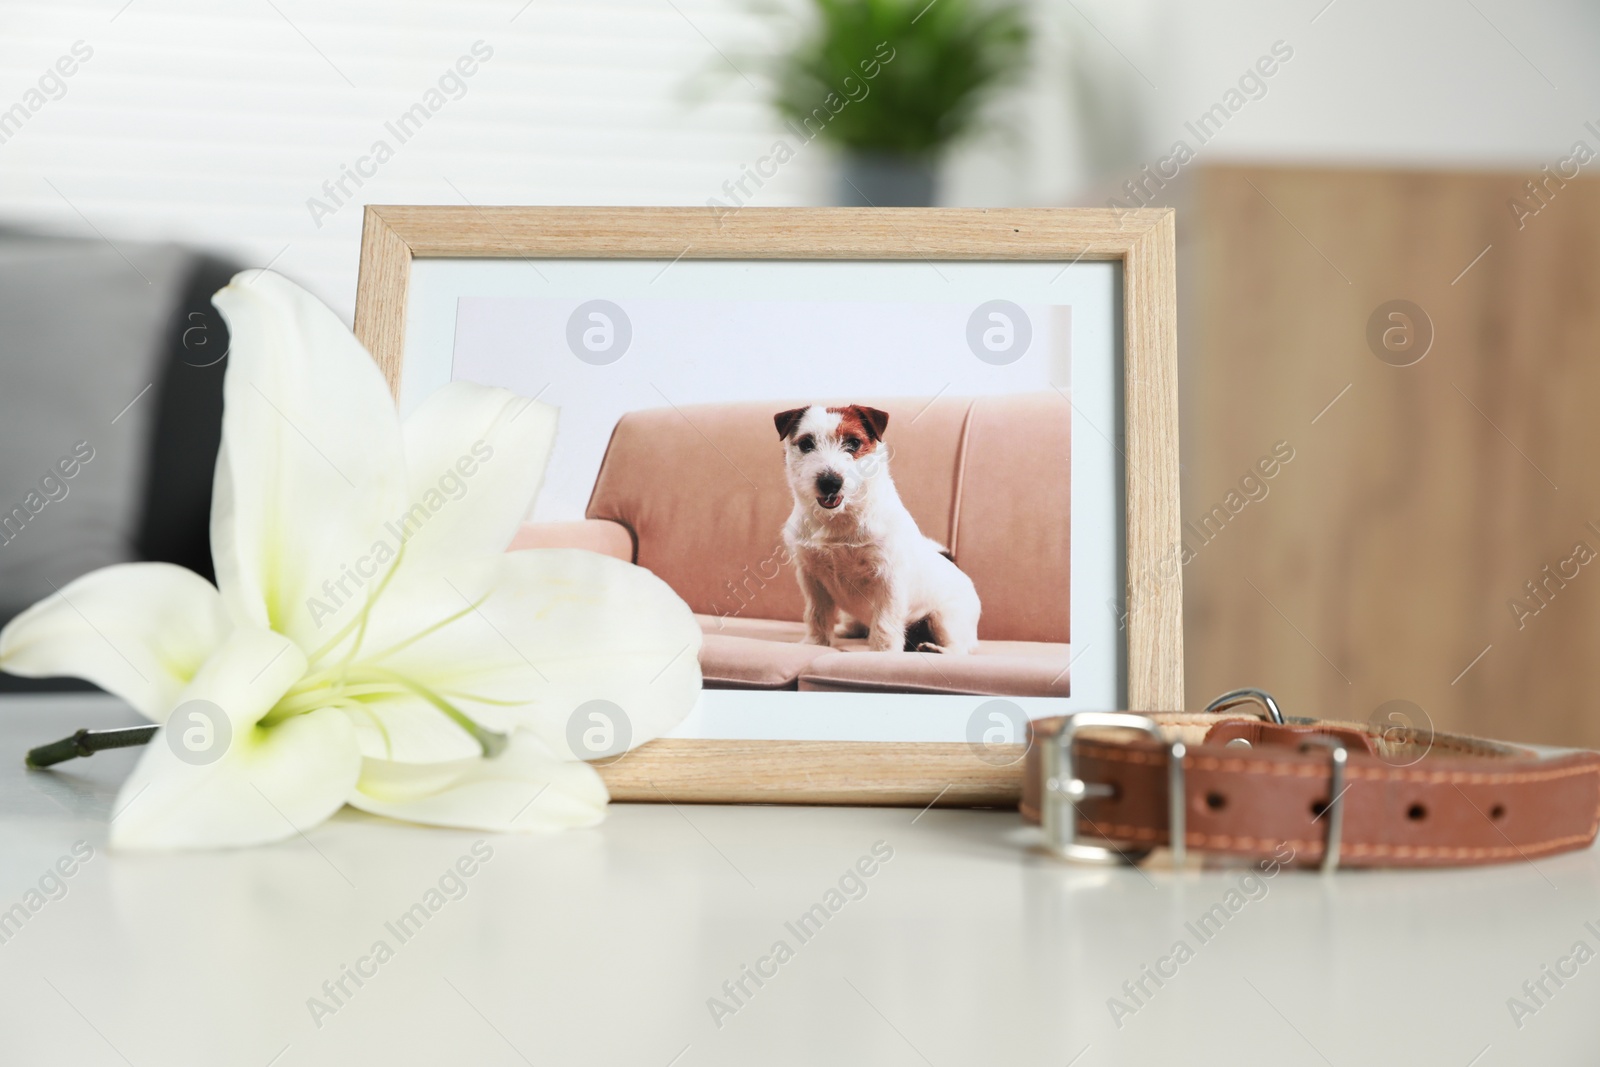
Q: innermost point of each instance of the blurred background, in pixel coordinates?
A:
(1389, 262)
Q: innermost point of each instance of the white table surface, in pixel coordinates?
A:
(604, 946)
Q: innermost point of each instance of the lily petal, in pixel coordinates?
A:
(139, 630)
(308, 423)
(525, 788)
(270, 783)
(535, 636)
(475, 457)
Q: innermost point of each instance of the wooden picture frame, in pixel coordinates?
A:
(831, 772)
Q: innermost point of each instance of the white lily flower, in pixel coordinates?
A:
(369, 641)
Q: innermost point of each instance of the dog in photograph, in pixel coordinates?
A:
(857, 550)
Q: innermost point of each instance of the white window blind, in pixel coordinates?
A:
(213, 123)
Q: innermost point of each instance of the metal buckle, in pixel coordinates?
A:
(1338, 756)
(1242, 696)
(1063, 789)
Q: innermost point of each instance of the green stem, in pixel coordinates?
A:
(87, 743)
(493, 742)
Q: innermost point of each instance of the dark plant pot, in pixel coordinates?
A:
(880, 179)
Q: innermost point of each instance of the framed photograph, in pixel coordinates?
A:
(915, 471)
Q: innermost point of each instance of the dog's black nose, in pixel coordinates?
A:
(829, 483)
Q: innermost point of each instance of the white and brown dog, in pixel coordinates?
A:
(856, 548)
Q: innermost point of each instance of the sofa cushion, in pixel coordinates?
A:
(751, 663)
(741, 653)
(88, 333)
(1013, 510)
(785, 630)
(998, 668)
(766, 653)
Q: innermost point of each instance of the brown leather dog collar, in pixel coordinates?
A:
(1337, 794)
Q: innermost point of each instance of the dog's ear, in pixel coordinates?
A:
(874, 420)
(786, 421)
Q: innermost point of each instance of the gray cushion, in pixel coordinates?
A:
(82, 334)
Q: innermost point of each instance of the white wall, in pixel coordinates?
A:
(1429, 83)
(214, 123)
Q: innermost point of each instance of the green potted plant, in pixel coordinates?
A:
(893, 83)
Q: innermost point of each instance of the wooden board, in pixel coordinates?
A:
(1383, 563)
(814, 772)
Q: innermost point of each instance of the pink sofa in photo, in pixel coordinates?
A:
(697, 495)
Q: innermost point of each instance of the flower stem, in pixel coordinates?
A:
(87, 743)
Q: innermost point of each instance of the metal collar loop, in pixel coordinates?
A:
(1234, 697)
